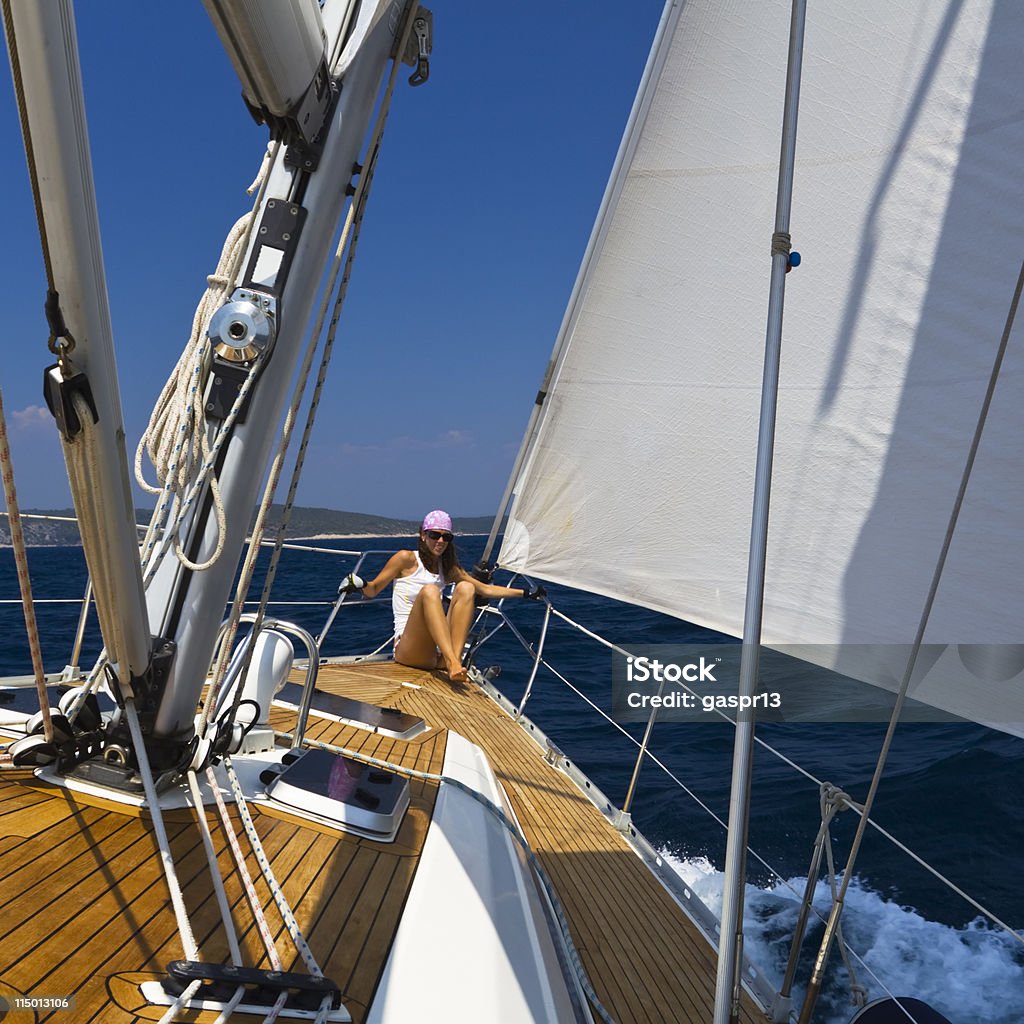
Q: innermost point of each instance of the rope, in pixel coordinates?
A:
(218, 886)
(250, 890)
(287, 916)
(833, 800)
(176, 438)
(211, 857)
(291, 925)
(21, 561)
(188, 941)
(179, 1003)
(510, 827)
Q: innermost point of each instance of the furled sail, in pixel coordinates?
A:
(909, 213)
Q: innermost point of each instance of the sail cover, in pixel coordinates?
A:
(909, 214)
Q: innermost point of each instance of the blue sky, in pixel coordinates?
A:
(488, 184)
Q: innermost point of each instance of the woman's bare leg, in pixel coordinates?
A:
(460, 614)
(426, 632)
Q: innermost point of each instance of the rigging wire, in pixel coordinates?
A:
(847, 950)
(856, 808)
(814, 985)
(511, 827)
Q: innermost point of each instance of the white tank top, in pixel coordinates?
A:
(405, 590)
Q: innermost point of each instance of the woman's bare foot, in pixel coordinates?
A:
(456, 673)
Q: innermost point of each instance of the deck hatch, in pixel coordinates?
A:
(343, 792)
(387, 721)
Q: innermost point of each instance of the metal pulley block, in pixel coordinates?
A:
(244, 328)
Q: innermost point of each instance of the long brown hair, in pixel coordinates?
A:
(449, 559)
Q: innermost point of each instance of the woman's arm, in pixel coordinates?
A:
(493, 593)
(397, 565)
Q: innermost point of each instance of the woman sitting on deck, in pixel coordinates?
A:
(424, 636)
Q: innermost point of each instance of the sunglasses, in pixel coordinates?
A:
(438, 535)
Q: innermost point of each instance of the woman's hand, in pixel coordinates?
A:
(351, 584)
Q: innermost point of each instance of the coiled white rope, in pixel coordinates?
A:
(177, 438)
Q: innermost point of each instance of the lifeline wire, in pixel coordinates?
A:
(857, 809)
(814, 984)
(510, 826)
(847, 949)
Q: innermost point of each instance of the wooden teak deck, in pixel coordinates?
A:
(85, 913)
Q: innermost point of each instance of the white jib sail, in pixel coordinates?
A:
(908, 211)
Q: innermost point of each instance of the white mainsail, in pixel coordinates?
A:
(907, 210)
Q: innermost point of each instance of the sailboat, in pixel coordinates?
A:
(394, 878)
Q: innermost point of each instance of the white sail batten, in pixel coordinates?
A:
(908, 213)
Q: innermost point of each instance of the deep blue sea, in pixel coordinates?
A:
(953, 793)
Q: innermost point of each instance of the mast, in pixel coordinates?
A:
(730, 950)
(82, 386)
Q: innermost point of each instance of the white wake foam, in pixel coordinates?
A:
(972, 975)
